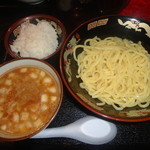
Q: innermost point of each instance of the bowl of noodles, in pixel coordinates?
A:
(105, 65)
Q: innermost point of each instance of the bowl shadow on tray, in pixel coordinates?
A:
(110, 26)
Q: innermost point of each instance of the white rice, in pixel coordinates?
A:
(36, 41)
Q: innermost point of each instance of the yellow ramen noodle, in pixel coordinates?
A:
(116, 71)
(29, 97)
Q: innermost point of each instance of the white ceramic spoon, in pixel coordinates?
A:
(88, 129)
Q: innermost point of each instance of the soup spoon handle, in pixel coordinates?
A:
(53, 132)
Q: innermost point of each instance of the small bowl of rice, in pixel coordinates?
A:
(105, 65)
(38, 36)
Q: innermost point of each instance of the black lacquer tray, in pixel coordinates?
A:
(128, 134)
